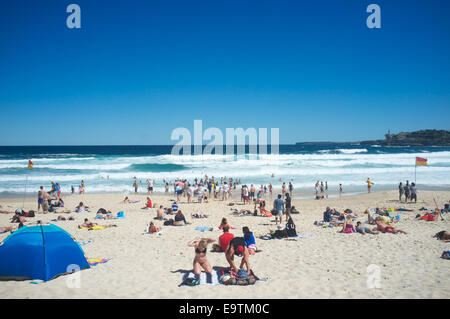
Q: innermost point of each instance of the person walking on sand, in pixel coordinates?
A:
(278, 208)
(369, 184)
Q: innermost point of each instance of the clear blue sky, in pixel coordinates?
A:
(138, 69)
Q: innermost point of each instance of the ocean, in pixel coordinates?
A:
(111, 169)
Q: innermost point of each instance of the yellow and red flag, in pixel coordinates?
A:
(30, 164)
(420, 161)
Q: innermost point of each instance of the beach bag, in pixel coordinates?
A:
(120, 215)
(30, 214)
(446, 254)
(191, 282)
(168, 222)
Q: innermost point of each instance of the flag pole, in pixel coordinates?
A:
(415, 172)
(25, 193)
(30, 166)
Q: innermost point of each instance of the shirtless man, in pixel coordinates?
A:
(47, 197)
(160, 213)
(40, 198)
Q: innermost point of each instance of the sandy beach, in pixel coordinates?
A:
(328, 264)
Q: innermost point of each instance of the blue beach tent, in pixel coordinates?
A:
(39, 252)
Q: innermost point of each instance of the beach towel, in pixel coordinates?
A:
(265, 212)
(92, 228)
(84, 243)
(96, 261)
(204, 228)
(203, 278)
(301, 236)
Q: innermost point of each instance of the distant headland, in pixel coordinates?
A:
(417, 138)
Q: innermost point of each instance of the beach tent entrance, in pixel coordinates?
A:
(39, 252)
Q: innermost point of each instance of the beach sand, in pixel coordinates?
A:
(327, 265)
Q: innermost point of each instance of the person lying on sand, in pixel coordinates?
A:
(81, 208)
(88, 223)
(237, 247)
(365, 230)
(17, 218)
(11, 229)
(153, 229)
(60, 217)
(443, 235)
(197, 215)
(386, 229)
(107, 215)
(200, 260)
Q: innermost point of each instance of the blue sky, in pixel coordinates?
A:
(138, 69)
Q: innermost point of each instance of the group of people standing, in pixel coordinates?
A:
(408, 190)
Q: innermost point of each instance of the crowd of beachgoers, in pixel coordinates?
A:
(262, 203)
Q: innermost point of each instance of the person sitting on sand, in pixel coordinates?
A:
(160, 213)
(249, 240)
(365, 230)
(348, 226)
(386, 229)
(443, 235)
(126, 200)
(237, 247)
(224, 223)
(179, 219)
(327, 216)
(148, 204)
(224, 240)
(200, 260)
(290, 227)
(153, 229)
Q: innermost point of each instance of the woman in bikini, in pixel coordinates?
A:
(200, 260)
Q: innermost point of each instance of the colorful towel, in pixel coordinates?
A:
(96, 261)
